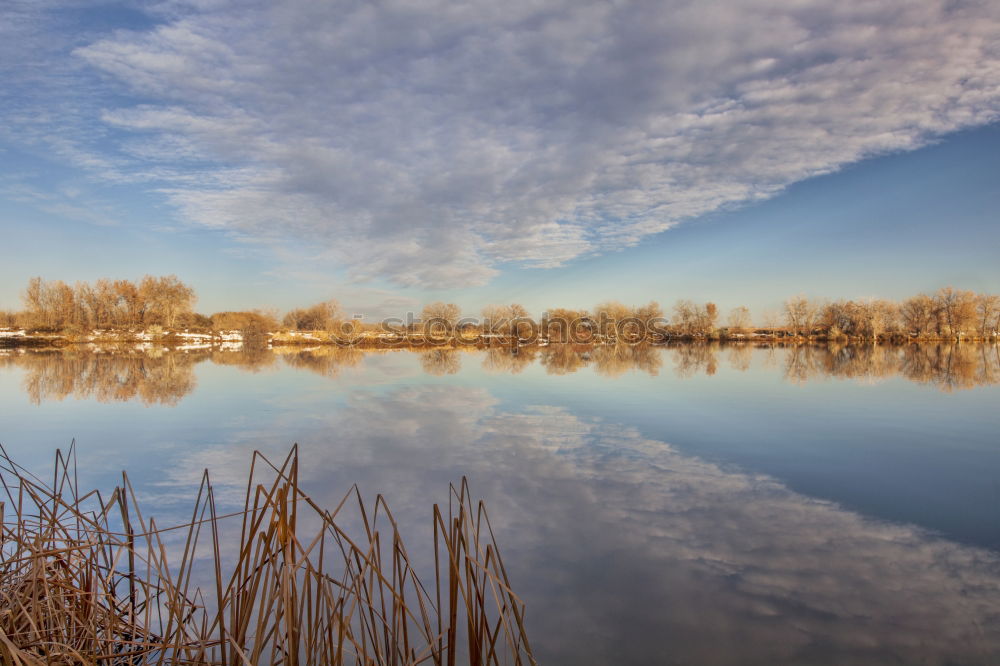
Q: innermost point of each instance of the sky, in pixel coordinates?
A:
(558, 153)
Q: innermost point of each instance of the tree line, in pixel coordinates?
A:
(106, 304)
(948, 313)
(167, 302)
(153, 301)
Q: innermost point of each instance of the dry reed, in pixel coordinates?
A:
(88, 579)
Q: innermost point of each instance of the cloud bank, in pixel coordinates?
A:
(433, 143)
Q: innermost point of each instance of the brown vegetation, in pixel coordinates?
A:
(440, 318)
(156, 376)
(945, 366)
(325, 316)
(153, 379)
(329, 361)
(439, 362)
(564, 325)
(512, 319)
(166, 302)
(254, 326)
(947, 314)
(163, 301)
(691, 320)
(87, 578)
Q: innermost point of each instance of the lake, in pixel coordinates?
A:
(695, 504)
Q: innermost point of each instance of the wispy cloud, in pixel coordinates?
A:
(431, 143)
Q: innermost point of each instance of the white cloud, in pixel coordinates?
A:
(432, 142)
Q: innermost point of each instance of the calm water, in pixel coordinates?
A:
(694, 505)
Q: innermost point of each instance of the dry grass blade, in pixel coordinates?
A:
(89, 581)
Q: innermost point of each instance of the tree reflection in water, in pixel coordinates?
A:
(162, 377)
(152, 377)
(327, 360)
(440, 362)
(606, 360)
(510, 360)
(947, 367)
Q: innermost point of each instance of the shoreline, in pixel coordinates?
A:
(234, 340)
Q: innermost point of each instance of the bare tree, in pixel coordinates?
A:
(35, 304)
(165, 299)
(608, 314)
(987, 314)
(495, 318)
(564, 325)
(512, 319)
(119, 303)
(129, 306)
(709, 318)
(685, 320)
(919, 314)
(800, 315)
(325, 316)
(877, 317)
(691, 319)
(438, 315)
(613, 310)
(50, 305)
(62, 304)
(957, 309)
(838, 318)
(178, 299)
(739, 319)
(650, 318)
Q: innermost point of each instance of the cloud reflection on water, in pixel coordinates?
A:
(628, 551)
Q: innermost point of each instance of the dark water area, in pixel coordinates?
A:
(687, 505)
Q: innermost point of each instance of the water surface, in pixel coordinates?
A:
(695, 504)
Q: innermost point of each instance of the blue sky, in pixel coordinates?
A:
(275, 154)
